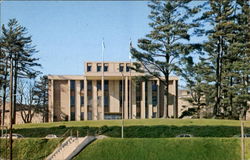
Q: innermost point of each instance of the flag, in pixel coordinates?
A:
(103, 45)
(130, 45)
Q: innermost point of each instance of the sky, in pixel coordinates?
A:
(68, 33)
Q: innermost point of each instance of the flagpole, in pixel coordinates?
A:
(130, 83)
(102, 114)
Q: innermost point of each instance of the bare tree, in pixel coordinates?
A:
(26, 99)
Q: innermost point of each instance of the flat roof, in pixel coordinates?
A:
(96, 77)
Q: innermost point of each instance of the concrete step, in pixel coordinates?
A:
(70, 147)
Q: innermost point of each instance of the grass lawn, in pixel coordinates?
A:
(30, 148)
(136, 122)
(162, 149)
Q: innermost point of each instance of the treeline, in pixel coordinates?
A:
(216, 69)
(18, 56)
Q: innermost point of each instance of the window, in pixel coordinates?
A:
(154, 100)
(99, 85)
(106, 67)
(106, 100)
(89, 85)
(82, 115)
(127, 67)
(99, 67)
(106, 85)
(154, 115)
(72, 101)
(81, 84)
(89, 67)
(121, 68)
(154, 86)
(122, 86)
(82, 100)
(72, 116)
(72, 84)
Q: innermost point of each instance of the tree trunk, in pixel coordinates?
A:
(218, 79)
(198, 108)
(15, 91)
(165, 112)
(4, 91)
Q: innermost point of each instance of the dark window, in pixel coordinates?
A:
(106, 100)
(122, 85)
(72, 84)
(106, 85)
(72, 116)
(106, 67)
(82, 100)
(154, 115)
(154, 87)
(82, 115)
(81, 84)
(72, 100)
(138, 98)
(154, 100)
(99, 68)
(89, 67)
(127, 68)
(121, 68)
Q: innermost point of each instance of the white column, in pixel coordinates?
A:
(133, 100)
(77, 97)
(94, 108)
(158, 98)
(126, 99)
(85, 99)
(51, 101)
(165, 105)
(150, 106)
(143, 101)
(69, 107)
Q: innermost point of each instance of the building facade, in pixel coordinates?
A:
(105, 90)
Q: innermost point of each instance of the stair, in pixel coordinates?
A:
(70, 147)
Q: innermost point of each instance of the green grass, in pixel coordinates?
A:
(163, 149)
(30, 148)
(136, 122)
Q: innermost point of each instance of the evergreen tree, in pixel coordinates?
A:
(240, 47)
(163, 48)
(220, 17)
(227, 50)
(18, 46)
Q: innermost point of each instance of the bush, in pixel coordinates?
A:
(103, 129)
(61, 126)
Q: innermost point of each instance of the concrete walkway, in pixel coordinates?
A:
(70, 148)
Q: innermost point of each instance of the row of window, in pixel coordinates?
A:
(99, 67)
(106, 116)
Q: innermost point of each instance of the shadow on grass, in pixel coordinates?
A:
(160, 131)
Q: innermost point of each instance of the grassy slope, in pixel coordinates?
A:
(147, 128)
(136, 122)
(163, 149)
(30, 148)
